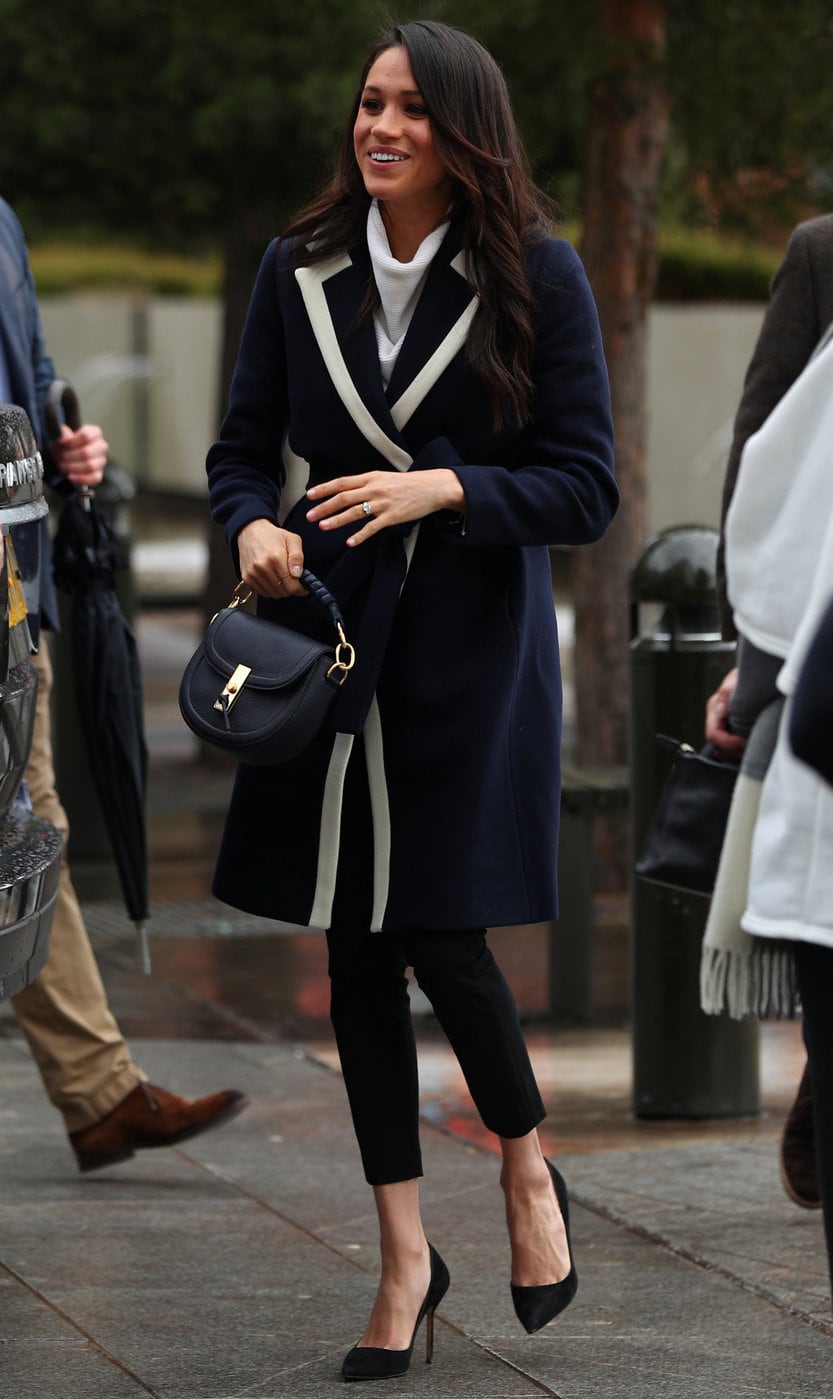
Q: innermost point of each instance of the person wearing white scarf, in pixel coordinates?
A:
(768, 945)
(779, 556)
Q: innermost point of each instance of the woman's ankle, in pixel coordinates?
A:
(401, 1260)
(524, 1170)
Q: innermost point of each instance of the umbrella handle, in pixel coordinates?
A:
(61, 405)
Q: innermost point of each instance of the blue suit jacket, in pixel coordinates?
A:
(31, 371)
(457, 686)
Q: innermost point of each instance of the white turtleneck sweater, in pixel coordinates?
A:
(399, 285)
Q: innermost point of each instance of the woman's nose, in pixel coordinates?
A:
(386, 123)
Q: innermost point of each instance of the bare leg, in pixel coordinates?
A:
(406, 1267)
(536, 1229)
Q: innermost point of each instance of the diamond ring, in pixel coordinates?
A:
(366, 508)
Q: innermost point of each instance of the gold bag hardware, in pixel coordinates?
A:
(233, 688)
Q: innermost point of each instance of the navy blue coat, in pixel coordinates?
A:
(457, 684)
(31, 371)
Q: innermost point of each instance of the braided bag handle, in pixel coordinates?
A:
(314, 586)
(345, 654)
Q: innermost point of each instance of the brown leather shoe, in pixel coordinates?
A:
(151, 1116)
(798, 1150)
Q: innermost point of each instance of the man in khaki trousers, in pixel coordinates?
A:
(109, 1108)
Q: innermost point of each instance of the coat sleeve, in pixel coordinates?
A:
(36, 364)
(559, 487)
(44, 372)
(790, 331)
(245, 465)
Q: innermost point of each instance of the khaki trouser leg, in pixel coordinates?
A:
(81, 1053)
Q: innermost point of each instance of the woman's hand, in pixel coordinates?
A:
(717, 718)
(393, 498)
(81, 456)
(271, 560)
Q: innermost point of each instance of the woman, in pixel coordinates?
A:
(428, 362)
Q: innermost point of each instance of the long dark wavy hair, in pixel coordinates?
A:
(497, 210)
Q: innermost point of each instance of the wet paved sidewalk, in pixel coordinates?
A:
(243, 1264)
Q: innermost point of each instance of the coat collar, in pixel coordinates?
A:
(333, 292)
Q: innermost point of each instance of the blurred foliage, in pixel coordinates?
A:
(166, 121)
(752, 114)
(72, 267)
(166, 118)
(695, 265)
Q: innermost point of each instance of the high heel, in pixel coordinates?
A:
(535, 1306)
(374, 1363)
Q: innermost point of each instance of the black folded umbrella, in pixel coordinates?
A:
(108, 683)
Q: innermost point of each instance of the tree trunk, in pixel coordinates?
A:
(628, 125)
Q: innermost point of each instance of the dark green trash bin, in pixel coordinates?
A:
(686, 1064)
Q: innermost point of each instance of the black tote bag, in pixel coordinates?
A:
(683, 842)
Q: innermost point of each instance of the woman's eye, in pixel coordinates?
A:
(370, 104)
(415, 110)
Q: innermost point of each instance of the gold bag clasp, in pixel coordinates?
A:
(233, 687)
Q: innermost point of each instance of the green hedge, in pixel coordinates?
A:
(698, 266)
(65, 267)
(694, 266)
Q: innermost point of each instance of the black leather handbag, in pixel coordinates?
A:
(685, 836)
(257, 689)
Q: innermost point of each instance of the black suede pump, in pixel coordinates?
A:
(536, 1306)
(374, 1363)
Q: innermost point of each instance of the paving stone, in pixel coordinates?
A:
(242, 1265)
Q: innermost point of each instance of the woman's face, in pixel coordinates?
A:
(393, 142)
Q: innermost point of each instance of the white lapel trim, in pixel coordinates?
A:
(329, 837)
(311, 283)
(377, 783)
(330, 829)
(430, 372)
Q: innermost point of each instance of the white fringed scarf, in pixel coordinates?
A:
(746, 975)
(779, 564)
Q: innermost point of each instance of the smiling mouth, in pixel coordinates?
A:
(383, 158)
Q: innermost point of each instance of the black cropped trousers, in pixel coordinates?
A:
(814, 966)
(371, 1015)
